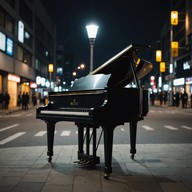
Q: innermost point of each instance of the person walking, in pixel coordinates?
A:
(191, 99)
(19, 99)
(184, 99)
(6, 100)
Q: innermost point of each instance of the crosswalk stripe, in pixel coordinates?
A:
(14, 125)
(11, 138)
(40, 133)
(186, 127)
(147, 128)
(65, 133)
(171, 127)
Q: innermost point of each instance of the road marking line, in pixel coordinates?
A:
(65, 133)
(15, 125)
(11, 138)
(171, 127)
(147, 128)
(40, 133)
(16, 115)
(186, 127)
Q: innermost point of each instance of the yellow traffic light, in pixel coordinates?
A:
(174, 18)
(174, 48)
(162, 67)
(158, 55)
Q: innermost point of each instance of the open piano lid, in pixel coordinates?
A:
(118, 71)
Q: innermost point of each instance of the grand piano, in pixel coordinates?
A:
(109, 96)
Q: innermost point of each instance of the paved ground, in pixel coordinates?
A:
(156, 168)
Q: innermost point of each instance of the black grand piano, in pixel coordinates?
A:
(109, 96)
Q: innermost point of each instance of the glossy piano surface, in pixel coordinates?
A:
(109, 96)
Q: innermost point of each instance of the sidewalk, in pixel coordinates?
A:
(156, 168)
(14, 109)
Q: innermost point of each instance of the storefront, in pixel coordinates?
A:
(13, 81)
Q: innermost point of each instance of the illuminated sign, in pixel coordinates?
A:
(21, 31)
(186, 65)
(9, 46)
(179, 81)
(33, 85)
(188, 80)
(14, 78)
(2, 41)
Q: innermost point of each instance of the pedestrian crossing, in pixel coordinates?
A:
(67, 133)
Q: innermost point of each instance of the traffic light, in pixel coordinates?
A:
(158, 55)
(162, 67)
(174, 18)
(174, 48)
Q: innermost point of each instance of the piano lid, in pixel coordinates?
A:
(117, 71)
(120, 69)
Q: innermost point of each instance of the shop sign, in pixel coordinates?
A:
(186, 65)
(21, 31)
(14, 78)
(9, 46)
(188, 80)
(33, 85)
(2, 41)
(179, 81)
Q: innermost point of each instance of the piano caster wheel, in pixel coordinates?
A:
(132, 156)
(49, 159)
(106, 176)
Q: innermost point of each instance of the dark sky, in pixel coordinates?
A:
(121, 22)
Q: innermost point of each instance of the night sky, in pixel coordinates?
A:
(121, 23)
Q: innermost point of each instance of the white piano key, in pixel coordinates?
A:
(65, 133)
(11, 138)
(186, 127)
(146, 127)
(171, 127)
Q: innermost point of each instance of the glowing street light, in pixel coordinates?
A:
(92, 33)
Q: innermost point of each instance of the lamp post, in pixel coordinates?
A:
(92, 33)
(50, 69)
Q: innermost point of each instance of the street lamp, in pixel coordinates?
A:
(92, 33)
(50, 69)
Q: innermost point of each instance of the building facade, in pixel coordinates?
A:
(178, 75)
(27, 46)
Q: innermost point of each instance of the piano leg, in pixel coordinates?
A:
(80, 138)
(108, 148)
(50, 138)
(133, 133)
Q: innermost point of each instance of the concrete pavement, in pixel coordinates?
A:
(156, 168)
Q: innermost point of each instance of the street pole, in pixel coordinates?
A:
(171, 63)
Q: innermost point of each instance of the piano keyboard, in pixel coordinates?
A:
(78, 113)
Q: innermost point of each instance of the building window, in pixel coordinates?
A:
(27, 38)
(26, 13)
(9, 23)
(24, 56)
(11, 3)
(2, 17)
